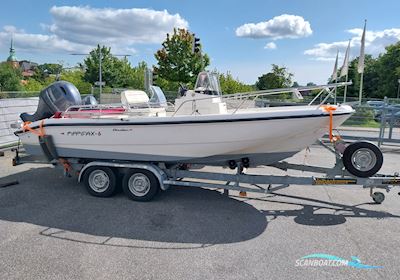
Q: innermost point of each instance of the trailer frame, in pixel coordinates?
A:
(184, 175)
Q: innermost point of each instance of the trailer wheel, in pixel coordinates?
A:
(362, 159)
(140, 185)
(100, 181)
(378, 197)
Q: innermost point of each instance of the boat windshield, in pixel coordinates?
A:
(157, 96)
(208, 83)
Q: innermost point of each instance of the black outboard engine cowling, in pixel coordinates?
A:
(57, 97)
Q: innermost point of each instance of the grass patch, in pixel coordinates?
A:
(356, 123)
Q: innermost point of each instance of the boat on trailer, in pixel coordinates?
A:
(152, 145)
(201, 129)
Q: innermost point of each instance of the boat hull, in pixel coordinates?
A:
(262, 137)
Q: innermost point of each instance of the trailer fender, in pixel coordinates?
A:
(157, 171)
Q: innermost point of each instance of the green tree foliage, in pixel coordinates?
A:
(386, 69)
(381, 75)
(10, 78)
(135, 76)
(279, 77)
(92, 63)
(76, 77)
(371, 78)
(117, 73)
(44, 71)
(33, 85)
(230, 85)
(51, 68)
(176, 61)
(169, 85)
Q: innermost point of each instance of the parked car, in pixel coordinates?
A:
(377, 106)
(392, 112)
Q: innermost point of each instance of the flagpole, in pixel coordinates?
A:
(361, 87)
(345, 88)
(361, 62)
(335, 77)
(345, 70)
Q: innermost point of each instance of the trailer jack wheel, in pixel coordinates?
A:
(362, 159)
(378, 197)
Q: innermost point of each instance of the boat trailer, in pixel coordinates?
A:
(141, 181)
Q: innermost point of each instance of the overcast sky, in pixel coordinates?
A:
(243, 37)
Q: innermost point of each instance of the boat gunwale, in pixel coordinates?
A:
(177, 121)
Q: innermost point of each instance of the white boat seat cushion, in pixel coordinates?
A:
(131, 97)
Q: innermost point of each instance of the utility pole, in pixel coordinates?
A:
(100, 74)
(398, 88)
(100, 82)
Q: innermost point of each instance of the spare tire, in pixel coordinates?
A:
(362, 159)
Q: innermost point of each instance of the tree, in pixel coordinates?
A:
(111, 67)
(176, 61)
(381, 75)
(128, 76)
(387, 69)
(230, 85)
(295, 84)
(279, 77)
(370, 78)
(115, 72)
(43, 71)
(33, 85)
(76, 77)
(135, 78)
(10, 78)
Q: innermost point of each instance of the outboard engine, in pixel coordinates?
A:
(89, 100)
(57, 97)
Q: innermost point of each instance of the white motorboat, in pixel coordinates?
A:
(201, 128)
(146, 145)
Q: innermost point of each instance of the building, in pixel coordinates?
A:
(27, 67)
(12, 59)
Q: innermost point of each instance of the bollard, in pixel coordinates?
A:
(383, 122)
(391, 124)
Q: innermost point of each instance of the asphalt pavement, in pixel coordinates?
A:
(50, 228)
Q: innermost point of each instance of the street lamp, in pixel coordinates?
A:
(100, 81)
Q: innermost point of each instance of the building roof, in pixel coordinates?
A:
(27, 65)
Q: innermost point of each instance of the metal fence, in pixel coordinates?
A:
(10, 109)
(18, 94)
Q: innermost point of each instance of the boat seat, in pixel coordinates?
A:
(134, 98)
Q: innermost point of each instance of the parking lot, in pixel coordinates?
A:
(50, 228)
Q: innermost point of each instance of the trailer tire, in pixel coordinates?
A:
(362, 159)
(140, 184)
(100, 181)
(378, 197)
